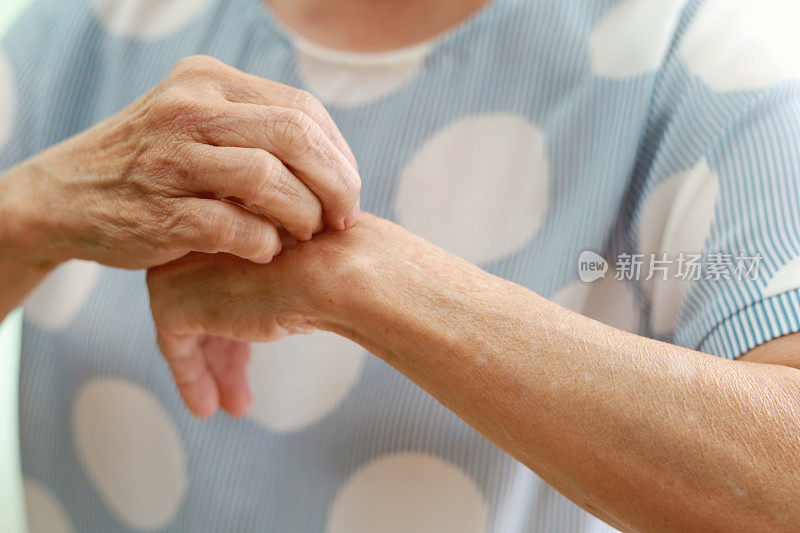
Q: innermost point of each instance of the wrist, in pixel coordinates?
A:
(335, 288)
(28, 230)
(367, 274)
(339, 271)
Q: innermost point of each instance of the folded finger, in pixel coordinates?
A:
(213, 226)
(301, 144)
(192, 376)
(227, 360)
(260, 181)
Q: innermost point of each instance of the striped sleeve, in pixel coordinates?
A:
(757, 164)
(714, 215)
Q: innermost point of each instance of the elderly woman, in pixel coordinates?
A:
(536, 139)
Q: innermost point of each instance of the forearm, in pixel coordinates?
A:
(646, 435)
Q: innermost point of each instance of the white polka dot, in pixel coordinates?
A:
(148, 19)
(655, 214)
(298, 380)
(738, 45)
(676, 218)
(633, 37)
(131, 451)
(350, 79)
(613, 302)
(572, 296)
(408, 492)
(8, 100)
(786, 279)
(478, 188)
(45, 513)
(62, 294)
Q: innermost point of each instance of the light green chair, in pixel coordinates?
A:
(12, 502)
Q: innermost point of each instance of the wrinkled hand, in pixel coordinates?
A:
(210, 160)
(207, 307)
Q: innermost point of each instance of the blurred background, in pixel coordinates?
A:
(9, 9)
(11, 500)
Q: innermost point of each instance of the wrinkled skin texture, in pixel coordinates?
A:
(207, 307)
(210, 160)
(645, 435)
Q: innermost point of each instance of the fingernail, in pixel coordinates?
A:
(350, 219)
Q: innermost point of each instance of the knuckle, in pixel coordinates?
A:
(256, 168)
(295, 129)
(258, 242)
(304, 99)
(193, 65)
(178, 109)
(317, 111)
(186, 160)
(257, 171)
(310, 104)
(279, 187)
(185, 229)
(184, 64)
(172, 98)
